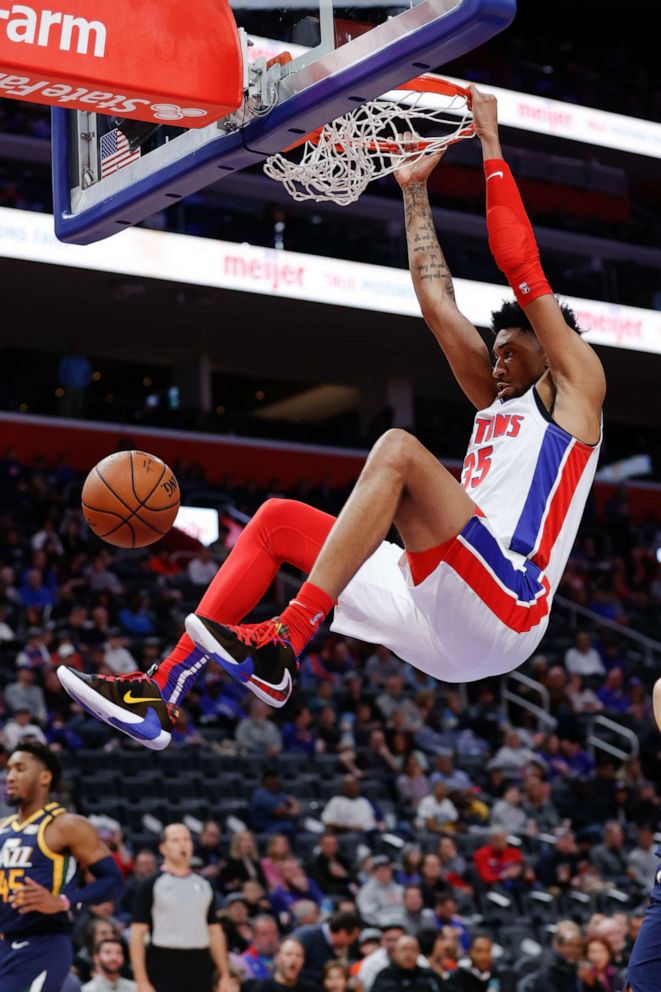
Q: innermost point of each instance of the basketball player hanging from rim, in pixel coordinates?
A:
(471, 594)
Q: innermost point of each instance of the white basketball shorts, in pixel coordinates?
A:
(479, 613)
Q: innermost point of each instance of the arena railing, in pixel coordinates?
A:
(512, 697)
(596, 742)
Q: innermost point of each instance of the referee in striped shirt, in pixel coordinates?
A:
(177, 910)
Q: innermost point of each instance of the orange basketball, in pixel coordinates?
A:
(130, 499)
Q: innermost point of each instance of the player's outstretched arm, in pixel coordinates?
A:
(575, 367)
(461, 343)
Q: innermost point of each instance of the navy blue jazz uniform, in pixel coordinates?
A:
(35, 948)
(644, 974)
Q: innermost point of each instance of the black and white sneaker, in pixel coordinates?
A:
(131, 703)
(257, 655)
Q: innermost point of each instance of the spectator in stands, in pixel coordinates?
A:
(101, 578)
(207, 851)
(612, 694)
(294, 888)
(441, 950)
(437, 813)
(116, 655)
(242, 863)
(508, 812)
(409, 871)
(382, 665)
(380, 896)
(582, 700)
(87, 939)
(579, 762)
(513, 754)
(369, 940)
(583, 659)
(289, 962)
(558, 864)
(614, 931)
(277, 852)
(25, 694)
(412, 784)
(453, 864)
(383, 956)
(257, 734)
(609, 857)
(272, 810)
(404, 971)
(350, 810)
(392, 699)
(479, 973)
(445, 915)
(330, 870)
(453, 778)
(497, 863)
(558, 971)
(432, 881)
(641, 860)
(256, 897)
(335, 977)
(137, 618)
(259, 959)
(21, 728)
(34, 593)
(236, 924)
(108, 962)
(329, 941)
(66, 653)
(145, 864)
(34, 654)
(202, 568)
(298, 734)
(305, 913)
(537, 806)
(599, 973)
(415, 915)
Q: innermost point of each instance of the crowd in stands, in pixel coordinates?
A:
(384, 831)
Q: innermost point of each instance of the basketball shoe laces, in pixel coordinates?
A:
(259, 634)
(173, 711)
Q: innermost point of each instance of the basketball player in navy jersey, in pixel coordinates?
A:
(470, 597)
(644, 971)
(41, 846)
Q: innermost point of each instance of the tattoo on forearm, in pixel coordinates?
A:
(425, 255)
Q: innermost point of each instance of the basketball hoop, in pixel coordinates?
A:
(340, 159)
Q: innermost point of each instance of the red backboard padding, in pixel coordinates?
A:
(166, 61)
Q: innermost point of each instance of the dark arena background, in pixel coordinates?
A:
(272, 374)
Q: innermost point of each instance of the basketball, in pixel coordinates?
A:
(130, 499)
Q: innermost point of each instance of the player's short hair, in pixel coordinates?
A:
(47, 757)
(512, 315)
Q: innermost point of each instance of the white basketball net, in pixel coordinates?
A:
(340, 160)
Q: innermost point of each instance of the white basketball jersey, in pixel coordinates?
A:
(531, 480)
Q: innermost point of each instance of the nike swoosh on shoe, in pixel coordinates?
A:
(147, 730)
(281, 692)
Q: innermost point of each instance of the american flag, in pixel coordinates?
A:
(116, 152)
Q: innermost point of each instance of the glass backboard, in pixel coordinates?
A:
(110, 173)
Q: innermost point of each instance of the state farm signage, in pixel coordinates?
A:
(133, 61)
